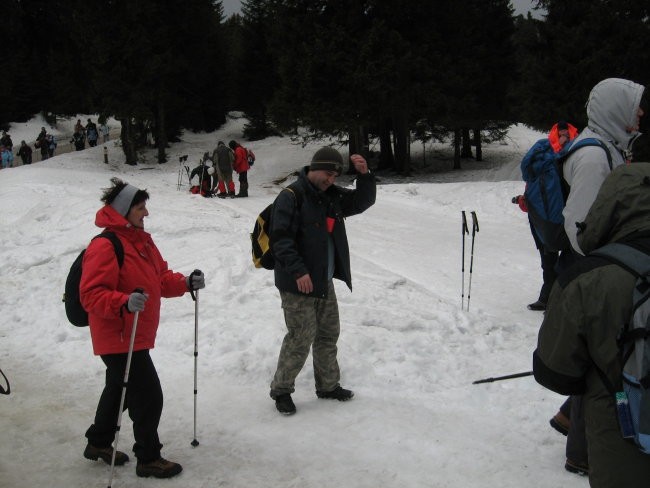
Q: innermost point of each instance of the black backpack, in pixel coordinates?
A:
(76, 314)
(261, 235)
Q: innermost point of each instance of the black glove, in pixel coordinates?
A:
(196, 280)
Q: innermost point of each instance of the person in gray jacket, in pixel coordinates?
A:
(589, 304)
(310, 246)
(613, 112)
(223, 158)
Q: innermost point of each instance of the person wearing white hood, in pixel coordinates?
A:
(613, 112)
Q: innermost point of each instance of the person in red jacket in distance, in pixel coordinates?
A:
(241, 167)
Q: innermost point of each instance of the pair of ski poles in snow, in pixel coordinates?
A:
(465, 231)
(125, 383)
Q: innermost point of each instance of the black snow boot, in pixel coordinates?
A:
(285, 404)
(338, 393)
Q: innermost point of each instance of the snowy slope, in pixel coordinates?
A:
(407, 349)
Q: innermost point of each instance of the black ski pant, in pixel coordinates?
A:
(548, 261)
(144, 401)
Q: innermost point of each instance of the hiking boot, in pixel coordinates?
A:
(537, 306)
(338, 393)
(576, 467)
(160, 468)
(222, 195)
(561, 423)
(105, 454)
(231, 194)
(285, 404)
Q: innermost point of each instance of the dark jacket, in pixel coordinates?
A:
(299, 236)
(589, 304)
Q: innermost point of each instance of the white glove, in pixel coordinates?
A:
(136, 301)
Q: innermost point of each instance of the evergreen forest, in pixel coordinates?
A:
(373, 74)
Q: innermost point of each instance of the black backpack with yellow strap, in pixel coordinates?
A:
(261, 235)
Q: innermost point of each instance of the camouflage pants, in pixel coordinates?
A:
(311, 322)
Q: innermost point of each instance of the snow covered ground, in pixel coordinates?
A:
(407, 349)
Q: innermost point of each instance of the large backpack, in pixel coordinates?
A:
(546, 191)
(632, 395)
(73, 309)
(261, 235)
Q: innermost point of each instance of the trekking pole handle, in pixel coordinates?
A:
(506, 377)
(465, 229)
(474, 222)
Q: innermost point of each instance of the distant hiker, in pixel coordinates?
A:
(202, 171)
(79, 140)
(79, 126)
(6, 141)
(105, 132)
(25, 153)
(578, 342)
(310, 246)
(41, 143)
(561, 133)
(7, 157)
(91, 133)
(240, 166)
(223, 158)
(107, 293)
(51, 144)
(614, 112)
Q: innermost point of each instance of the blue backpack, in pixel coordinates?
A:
(632, 395)
(546, 191)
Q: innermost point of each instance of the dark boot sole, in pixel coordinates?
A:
(159, 475)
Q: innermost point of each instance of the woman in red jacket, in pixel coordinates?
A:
(107, 292)
(241, 167)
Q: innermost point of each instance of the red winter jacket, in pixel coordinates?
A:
(105, 287)
(241, 160)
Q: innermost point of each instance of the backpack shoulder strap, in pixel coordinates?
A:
(293, 188)
(589, 141)
(635, 261)
(117, 245)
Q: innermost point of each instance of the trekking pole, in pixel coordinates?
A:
(471, 261)
(196, 347)
(463, 230)
(124, 386)
(506, 377)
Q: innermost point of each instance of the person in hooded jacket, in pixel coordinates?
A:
(109, 294)
(590, 303)
(613, 112)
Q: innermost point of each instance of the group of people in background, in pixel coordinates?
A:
(90, 132)
(218, 179)
(46, 143)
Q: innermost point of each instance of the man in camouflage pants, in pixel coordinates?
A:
(310, 246)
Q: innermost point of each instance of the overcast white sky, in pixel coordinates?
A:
(520, 6)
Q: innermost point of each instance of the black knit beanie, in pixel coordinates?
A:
(327, 159)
